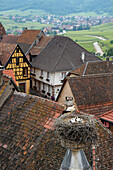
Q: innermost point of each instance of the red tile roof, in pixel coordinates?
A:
(40, 46)
(108, 116)
(5, 52)
(92, 89)
(26, 124)
(28, 36)
(94, 67)
(2, 30)
(10, 73)
(10, 39)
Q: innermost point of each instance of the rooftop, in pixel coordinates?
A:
(5, 52)
(28, 36)
(94, 67)
(61, 54)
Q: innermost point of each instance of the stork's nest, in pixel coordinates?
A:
(77, 128)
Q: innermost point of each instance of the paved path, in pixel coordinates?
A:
(98, 49)
(96, 45)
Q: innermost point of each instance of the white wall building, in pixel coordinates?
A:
(60, 56)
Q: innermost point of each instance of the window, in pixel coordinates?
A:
(48, 76)
(41, 74)
(25, 71)
(17, 61)
(69, 98)
(63, 75)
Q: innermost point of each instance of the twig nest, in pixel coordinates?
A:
(76, 129)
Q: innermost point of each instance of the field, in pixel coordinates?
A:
(85, 39)
(10, 24)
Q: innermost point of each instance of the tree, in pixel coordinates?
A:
(110, 52)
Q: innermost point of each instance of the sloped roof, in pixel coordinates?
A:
(61, 54)
(29, 121)
(5, 52)
(108, 116)
(25, 47)
(10, 73)
(94, 67)
(28, 36)
(10, 39)
(92, 89)
(40, 46)
(27, 141)
(2, 30)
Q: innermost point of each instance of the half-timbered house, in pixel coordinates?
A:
(21, 67)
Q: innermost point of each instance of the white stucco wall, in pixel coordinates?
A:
(54, 80)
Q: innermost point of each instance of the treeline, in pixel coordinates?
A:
(59, 7)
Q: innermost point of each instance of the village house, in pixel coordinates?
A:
(21, 67)
(60, 56)
(27, 138)
(90, 94)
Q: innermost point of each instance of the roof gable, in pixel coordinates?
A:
(20, 53)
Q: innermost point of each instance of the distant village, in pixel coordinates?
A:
(61, 23)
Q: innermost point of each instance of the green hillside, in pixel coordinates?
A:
(85, 37)
(59, 7)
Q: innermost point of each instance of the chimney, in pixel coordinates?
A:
(83, 57)
(72, 129)
(1, 75)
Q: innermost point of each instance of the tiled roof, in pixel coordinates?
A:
(92, 90)
(28, 142)
(98, 109)
(10, 73)
(26, 138)
(25, 47)
(10, 39)
(40, 46)
(28, 36)
(104, 148)
(61, 54)
(95, 67)
(5, 52)
(108, 116)
(2, 30)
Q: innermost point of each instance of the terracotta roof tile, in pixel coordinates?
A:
(5, 52)
(26, 123)
(40, 46)
(10, 39)
(94, 67)
(108, 116)
(28, 36)
(92, 89)
(2, 30)
(11, 74)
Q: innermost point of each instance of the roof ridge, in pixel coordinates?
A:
(33, 96)
(92, 75)
(61, 54)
